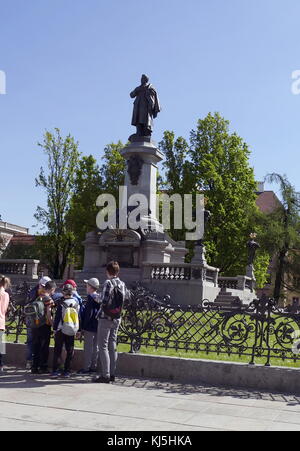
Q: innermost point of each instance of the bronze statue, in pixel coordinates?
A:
(146, 107)
(252, 248)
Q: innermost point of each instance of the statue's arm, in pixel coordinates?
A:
(133, 93)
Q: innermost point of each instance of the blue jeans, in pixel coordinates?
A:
(29, 355)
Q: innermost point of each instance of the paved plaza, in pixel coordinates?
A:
(30, 403)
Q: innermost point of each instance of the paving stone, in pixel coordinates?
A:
(28, 403)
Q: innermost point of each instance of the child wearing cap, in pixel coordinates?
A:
(90, 327)
(68, 302)
(76, 295)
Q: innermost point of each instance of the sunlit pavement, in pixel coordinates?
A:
(39, 403)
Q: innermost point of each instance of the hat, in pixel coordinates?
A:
(70, 282)
(94, 283)
(68, 289)
(44, 280)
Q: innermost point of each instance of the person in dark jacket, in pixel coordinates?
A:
(90, 327)
(34, 293)
(41, 335)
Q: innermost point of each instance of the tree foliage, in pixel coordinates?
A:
(81, 217)
(215, 163)
(57, 181)
(113, 169)
(283, 237)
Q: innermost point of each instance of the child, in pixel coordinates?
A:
(32, 296)
(4, 301)
(41, 327)
(76, 296)
(66, 327)
(89, 324)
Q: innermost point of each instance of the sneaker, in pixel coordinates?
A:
(35, 371)
(101, 380)
(55, 374)
(1, 369)
(28, 365)
(112, 378)
(66, 374)
(44, 371)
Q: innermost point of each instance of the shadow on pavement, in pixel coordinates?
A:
(186, 389)
(20, 378)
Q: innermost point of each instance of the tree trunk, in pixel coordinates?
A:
(56, 267)
(279, 275)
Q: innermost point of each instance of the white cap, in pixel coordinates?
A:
(44, 280)
(94, 283)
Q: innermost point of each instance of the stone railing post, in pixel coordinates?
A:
(146, 272)
(216, 277)
(241, 282)
(32, 269)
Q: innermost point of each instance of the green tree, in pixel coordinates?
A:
(284, 235)
(21, 251)
(81, 217)
(113, 169)
(57, 180)
(216, 163)
(176, 179)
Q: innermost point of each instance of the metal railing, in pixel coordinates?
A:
(257, 333)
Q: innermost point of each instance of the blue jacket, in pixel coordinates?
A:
(88, 315)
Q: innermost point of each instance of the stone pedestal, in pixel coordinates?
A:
(141, 175)
(149, 244)
(92, 260)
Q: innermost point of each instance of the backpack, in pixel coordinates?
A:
(70, 320)
(114, 306)
(35, 316)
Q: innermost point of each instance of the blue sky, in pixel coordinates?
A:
(72, 63)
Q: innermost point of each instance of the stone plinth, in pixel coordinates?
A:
(92, 258)
(141, 175)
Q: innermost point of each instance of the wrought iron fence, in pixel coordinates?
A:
(259, 332)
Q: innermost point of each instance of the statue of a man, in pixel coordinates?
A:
(146, 107)
(252, 248)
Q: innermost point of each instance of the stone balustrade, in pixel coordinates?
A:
(23, 269)
(189, 271)
(236, 283)
(180, 272)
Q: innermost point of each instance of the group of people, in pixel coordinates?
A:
(96, 320)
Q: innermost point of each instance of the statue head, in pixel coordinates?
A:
(145, 79)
